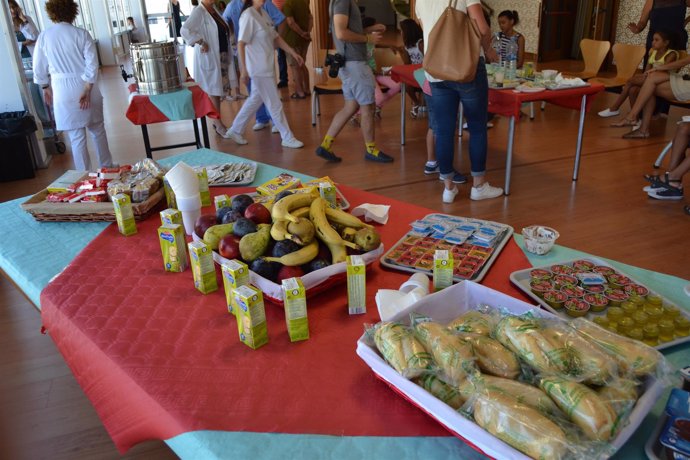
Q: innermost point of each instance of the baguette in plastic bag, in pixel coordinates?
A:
(452, 396)
(473, 321)
(524, 393)
(492, 357)
(523, 337)
(401, 349)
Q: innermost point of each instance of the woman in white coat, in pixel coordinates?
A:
(66, 67)
(214, 70)
(24, 28)
(256, 49)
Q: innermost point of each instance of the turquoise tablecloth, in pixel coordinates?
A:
(34, 252)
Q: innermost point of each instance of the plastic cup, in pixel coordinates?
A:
(183, 180)
(190, 207)
(416, 281)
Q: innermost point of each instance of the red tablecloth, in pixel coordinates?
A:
(157, 358)
(142, 112)
(508, 102)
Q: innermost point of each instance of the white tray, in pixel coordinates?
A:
(521, 279)
(561, 88)
(443, 307)
(653, 448)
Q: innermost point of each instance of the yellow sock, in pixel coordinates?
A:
(371, 148)
(327, 142)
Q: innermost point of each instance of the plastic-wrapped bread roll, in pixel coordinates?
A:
(523, 338)
(632, 356)
(583, 406)
(521, 426)
(472, 321)
(621, 394)
(399, 347)
(452, 396)
(452, 355)
(524, 393)
(587, 361)
(492, 357)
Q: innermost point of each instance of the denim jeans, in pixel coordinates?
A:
(446, 97)
(282, 66)
(262, 115)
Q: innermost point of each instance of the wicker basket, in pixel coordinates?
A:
(44, 211)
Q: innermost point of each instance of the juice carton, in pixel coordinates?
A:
(251, 316)
(295, 298)
(203, 187)
(203, 267)
(356, 285)
(222, 201)
(124, 214)
(172, 239)
(327, 192)
(235, 274)
(278, 184)
(443, 269)
(169, 194)
(171, 216)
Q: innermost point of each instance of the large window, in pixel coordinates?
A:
(84, 19)
(118, 10)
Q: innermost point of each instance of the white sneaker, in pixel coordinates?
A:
(230, 134)
(485, 192)
(449, 195)
(274, 129)
(259, 126)
(609, 113)
(292, 144)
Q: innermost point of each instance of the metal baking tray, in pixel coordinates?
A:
(521, 279)
(477, 276)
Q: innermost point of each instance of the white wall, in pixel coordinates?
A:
(10, 96)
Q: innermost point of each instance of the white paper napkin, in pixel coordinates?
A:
(376, 212)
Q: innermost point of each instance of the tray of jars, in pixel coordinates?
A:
(593, 289)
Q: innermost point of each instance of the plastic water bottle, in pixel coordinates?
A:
(511, 57)
(496, 45)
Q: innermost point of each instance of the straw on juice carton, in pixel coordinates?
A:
(295, 302)
(235, 274)
(251, 316)
(203, 267)
(443, 269)
(171, 216)
(222, 201)
(172, 240)
(124, 214)
(203, 187)
(356, 285)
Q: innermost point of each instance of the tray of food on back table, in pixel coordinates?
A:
(231, 174)
(593, 289)
(474, 243)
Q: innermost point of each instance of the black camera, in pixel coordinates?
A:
(334, 62)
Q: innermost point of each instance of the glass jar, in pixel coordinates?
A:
(629, 308)
(666, 330)
(641, 318)
(636, 299)
(651, 335)
(682, 326)
(602, 321)
(625, 325)
(636, 333)
(654, 314)
(615, 314)
(654, 300)
(671, 312)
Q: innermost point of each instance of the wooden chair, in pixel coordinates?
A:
(628, 58)
(593, 54)
(323, 84)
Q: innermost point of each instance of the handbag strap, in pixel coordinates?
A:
(453, 3)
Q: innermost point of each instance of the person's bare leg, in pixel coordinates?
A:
(305, 78)
(680, 146)
(621, 98)
(297, 77)
(218, 124)
(647, 92)
(632, 95)
(342, 117)
(647, 113)
(367, 112)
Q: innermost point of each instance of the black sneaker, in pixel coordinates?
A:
(328, 156)
(667, 193)
(457, 178)
(380, 158)
(431, 169)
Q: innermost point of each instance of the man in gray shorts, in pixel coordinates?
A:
(358, 81)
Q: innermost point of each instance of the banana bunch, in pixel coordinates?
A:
(305, 218)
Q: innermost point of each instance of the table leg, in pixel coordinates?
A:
(196, 134)
(578, 150)
(403, 92)
(509, 154)
(204, 132)
(147, 143)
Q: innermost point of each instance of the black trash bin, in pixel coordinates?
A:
(16, 154)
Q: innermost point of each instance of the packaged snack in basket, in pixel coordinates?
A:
(171, 216)
(222, 201)
(203, 267)
(63, 183)
(203, 187)
(401, 349)
(172, 240)
(251, 316)
(169, 194)
(235, 274)
(124, 214)
(443, 269)
(278, 184)
(356, 285)
(295, 303)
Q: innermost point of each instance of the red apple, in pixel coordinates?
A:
(203, 223)
(229, 246)
(258, 213)
(286, 272)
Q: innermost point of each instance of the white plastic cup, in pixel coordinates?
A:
(416, 281)
(190, 207)
(183, 179)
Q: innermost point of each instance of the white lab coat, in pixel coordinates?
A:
(30, 32)
(65, 57)
(201, 25)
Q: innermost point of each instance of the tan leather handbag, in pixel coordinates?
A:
(454, 47)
